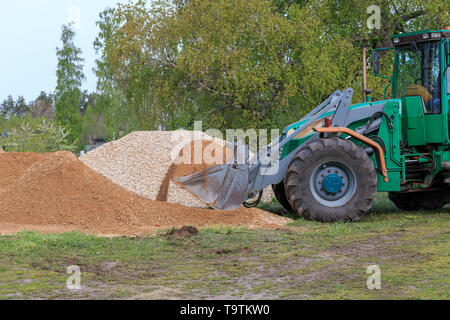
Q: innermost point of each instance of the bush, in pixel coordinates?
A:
(37, 137)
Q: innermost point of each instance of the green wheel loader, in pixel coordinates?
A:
(330, 165)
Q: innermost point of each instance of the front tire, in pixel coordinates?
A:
(331, 180)
(280, 195)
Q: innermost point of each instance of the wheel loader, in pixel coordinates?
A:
(330, 165)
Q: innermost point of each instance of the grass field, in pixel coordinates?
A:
(305, 260)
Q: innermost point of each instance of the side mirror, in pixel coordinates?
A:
(376, 62)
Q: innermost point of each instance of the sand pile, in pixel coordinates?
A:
(56, 192)
(142, 162)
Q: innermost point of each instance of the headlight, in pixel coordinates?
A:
(436, 35)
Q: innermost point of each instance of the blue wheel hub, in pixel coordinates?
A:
(332, 183)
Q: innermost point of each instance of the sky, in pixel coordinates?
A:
(30, 31)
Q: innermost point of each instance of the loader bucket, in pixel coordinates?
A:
(221, 187)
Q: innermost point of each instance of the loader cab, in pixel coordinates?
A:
(421, 78)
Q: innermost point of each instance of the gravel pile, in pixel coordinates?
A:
(139, 163)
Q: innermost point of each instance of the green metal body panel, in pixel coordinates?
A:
(412, 125)
(435, 131)
(392, 140)
(413, 121)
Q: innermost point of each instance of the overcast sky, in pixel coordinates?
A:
(29, 34)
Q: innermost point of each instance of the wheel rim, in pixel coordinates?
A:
(333, 184)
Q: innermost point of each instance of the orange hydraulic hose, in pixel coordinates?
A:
(378, 150)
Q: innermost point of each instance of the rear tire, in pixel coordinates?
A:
(331, 180)
(424, 200)
(280, 195)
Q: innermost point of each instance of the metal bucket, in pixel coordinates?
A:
(221, 187)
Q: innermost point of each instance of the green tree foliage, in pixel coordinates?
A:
(92, 126)
(8, 124)
(236, 63)
(10, 108)
(21, 107)
(228, 63)
(87, 99)
(7, 106)
(349, 20)
(70, 76)
(36, 136)
(43, 107)
(118, 117)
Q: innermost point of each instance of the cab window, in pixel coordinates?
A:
(418, 74)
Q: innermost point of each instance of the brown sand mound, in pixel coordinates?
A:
(56, 192)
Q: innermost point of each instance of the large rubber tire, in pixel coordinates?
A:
(280, 195)
(303, 180)
(424, 200)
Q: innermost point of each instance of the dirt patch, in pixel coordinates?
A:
(160, 293)
(232, 251)
(56, 192)
(184, 232)
(377, 246)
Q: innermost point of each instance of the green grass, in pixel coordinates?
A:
(306, 260)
